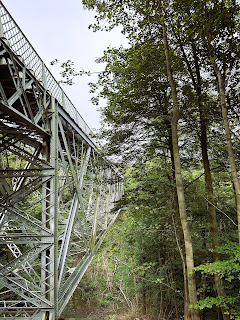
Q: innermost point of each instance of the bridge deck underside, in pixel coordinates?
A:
(56, 196)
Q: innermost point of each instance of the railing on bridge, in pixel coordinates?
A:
(57, 192)
(22, 47)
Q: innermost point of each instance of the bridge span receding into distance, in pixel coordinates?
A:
(57, 191)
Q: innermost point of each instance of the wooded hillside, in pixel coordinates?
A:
(171, 123)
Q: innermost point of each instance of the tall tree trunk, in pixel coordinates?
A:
(206, 166)
(178, 228)
(179, 185)
(208, 182)
(187, 311)
(222, 93)
(175, 207)
(212, 212)
(236, 183)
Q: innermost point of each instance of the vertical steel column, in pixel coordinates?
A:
(44, 259)
(54, 163)
(107, 205)
(44, 204)
(49, 271)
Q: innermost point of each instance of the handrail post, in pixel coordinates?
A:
(44, 78)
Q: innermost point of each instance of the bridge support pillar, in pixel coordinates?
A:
(50, 216)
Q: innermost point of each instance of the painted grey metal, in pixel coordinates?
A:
(57, 192)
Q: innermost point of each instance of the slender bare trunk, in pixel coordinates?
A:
(179, 230)
(209, 185)
(179, 185)
(212, 214)
(222, 92)
(187, 311)
(206, 165)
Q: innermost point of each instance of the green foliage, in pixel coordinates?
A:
(229, 270)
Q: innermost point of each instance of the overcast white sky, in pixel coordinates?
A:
(59, 29)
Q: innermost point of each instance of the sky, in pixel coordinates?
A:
(58, 29)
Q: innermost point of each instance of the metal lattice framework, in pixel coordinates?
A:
(56, 190)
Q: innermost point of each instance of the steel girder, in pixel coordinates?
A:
(56, 194)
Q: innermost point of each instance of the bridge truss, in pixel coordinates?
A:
(56, 190)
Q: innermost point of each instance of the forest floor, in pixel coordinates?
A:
(95, 312)
(79, 308)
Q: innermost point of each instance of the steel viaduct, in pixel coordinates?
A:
(56, 189)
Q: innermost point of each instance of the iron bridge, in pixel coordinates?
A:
(56, 189)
